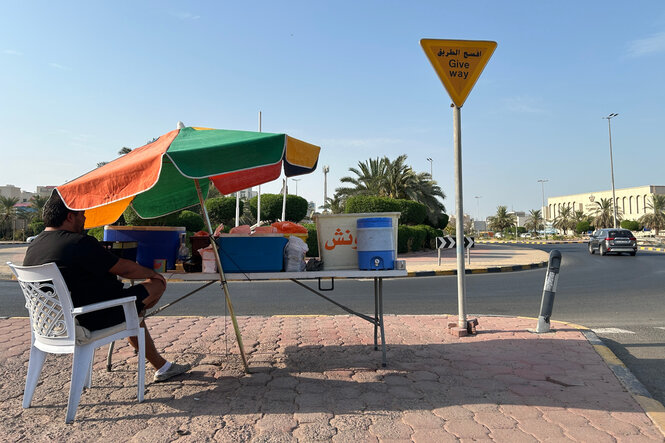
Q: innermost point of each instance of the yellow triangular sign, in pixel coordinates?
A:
(458, 63)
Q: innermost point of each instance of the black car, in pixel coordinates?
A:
(610, 240)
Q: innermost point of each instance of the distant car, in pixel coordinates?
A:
(498, 235)
(30, 239)
(609, 240)
(525, 235)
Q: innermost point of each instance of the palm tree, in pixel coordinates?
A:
(7, 208)
(656, 220)
(37, 202)
(502, 220)
(334, 205)
(580, 216)
(369, 175)
(564, 220)
(395, 179)
(535, 222)
(603, 214)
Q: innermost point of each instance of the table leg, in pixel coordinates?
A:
(383, 334)
(376, 313)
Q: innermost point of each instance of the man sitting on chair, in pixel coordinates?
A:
(91, 271)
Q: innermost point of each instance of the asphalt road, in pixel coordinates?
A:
(619, 297)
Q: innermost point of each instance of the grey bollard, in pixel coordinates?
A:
(551, 279)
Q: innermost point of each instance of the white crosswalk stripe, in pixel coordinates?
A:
(660, 327)
(611, 331)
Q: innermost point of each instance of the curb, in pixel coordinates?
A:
(478, 271)
(649, 248)
(652, 407)
(548, 242)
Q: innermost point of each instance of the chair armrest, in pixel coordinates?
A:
(103, 305)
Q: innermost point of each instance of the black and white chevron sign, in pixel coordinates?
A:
(448, 242)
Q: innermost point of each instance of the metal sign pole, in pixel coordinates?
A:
(459, 225)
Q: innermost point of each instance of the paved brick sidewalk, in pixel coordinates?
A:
(319, 379)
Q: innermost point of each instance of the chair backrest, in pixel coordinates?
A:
(50, 306)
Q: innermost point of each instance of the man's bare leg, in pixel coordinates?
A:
(151, 354)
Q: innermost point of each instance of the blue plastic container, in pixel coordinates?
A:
(154, 242)
(256, 253)
(376, 246)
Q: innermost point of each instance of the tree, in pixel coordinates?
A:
(367, 181)
(7, 208)
(271, 207)
(603, 213)
(222, 210)
(37, 202)
(655, 221)
(394, 179)
(124, 150)
(535, 221)
(502, 220)
(334, 204)
(564, 220)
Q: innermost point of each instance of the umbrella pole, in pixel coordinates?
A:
(222, 279)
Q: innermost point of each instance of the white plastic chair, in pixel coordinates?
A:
(54, 330)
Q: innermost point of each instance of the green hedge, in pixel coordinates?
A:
(583, 226)
(430, 236)
(271, 207)
(222, 210)
(312, 240)
(412, 212)
(411, 238)
(631, 225)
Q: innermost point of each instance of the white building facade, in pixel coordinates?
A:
(631, 203)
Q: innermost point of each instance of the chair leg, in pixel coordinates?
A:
(80, 370)
(141, 355)
(88, 377)
(35, 365)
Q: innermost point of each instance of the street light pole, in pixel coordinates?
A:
(478, 197)
(429, 159)
(614, 198)
(326, 169)
(542, 183)
(296, 180)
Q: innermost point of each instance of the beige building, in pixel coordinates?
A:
(631, 203)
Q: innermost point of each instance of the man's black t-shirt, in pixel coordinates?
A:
(84, 265)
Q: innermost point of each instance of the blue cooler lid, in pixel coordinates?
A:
(375, 222)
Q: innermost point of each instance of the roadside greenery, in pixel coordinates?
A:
(655, 220)
(501, 220)
(535, 221)
(382, 177)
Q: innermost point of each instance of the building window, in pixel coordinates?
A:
(645, 203)
(630, 204)
(637, 204)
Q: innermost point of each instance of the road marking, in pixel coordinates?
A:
(659, 327)
(611, 331)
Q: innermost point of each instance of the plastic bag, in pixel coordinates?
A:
(265, 230)
(208, 262)
(287, 227)
(242, 229)
(294, 255)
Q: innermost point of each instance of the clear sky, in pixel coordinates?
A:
(82, 79)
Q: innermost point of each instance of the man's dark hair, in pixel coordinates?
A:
(55, 212)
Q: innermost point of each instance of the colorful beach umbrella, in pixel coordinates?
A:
(175, 171)
(158, 178)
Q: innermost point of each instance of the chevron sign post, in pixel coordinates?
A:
(448, 242)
